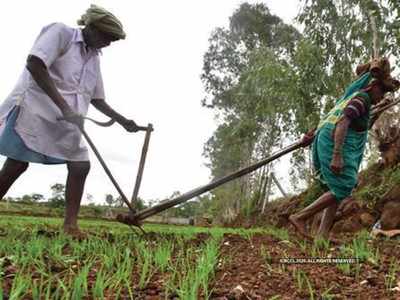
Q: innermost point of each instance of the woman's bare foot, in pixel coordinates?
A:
(300, 226)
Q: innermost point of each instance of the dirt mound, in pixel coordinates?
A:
(376, 197)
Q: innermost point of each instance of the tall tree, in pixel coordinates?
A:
(252, 26)
(58, 195)
(342, 29)
(109, 199)
(244, 74)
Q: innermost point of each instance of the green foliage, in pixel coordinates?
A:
(361, 250)
(139, 204)
(380, 183)
(199, 206)
(343, 31)
(194, 278)
(390, 277)
(109, 199)
(58, 195)
(246, 76)
(162, 255)
(32, 198)
(279, 233)
(266, 255)
(251, 27)
(97, 211)
(268, 83)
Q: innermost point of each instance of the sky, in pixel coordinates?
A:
(151, 77)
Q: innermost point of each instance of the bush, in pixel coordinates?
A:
(56, 202)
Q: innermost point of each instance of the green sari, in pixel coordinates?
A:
(341, 185)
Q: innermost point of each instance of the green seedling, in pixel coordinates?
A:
(390, 277)
(162, 255)
(265, 254)
(281, 234)
(326, 294)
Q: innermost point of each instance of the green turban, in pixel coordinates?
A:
(103, 20)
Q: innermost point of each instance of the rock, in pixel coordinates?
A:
(372, 280)
(390, 218)
(247, 225)
(238, 293)
(152, 292)
(338, 226)
(390, 148)
(348, 207)
(367, 219)
(352, 224)
(392, 194)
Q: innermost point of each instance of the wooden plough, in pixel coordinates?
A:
(135, 217)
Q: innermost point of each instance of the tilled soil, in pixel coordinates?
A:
(251, 267)
(249, 274)
(246, 272)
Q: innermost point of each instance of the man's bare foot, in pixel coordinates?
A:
(299, 226)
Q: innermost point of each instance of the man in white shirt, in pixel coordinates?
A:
(40, 119)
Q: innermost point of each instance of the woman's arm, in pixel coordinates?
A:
(339, 136)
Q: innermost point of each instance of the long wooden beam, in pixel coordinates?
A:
(143, 214)
(166, 204)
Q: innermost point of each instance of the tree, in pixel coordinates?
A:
(37, 197)
(32, 198)
(119, 201)
(343, 32)
(26, 199)
(89, 198)
(109, 199)
(268, 84)
(246, 74)
(58, 195)
(139, 204)
(251, 27)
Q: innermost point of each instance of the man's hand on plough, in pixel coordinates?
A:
(130, 125)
